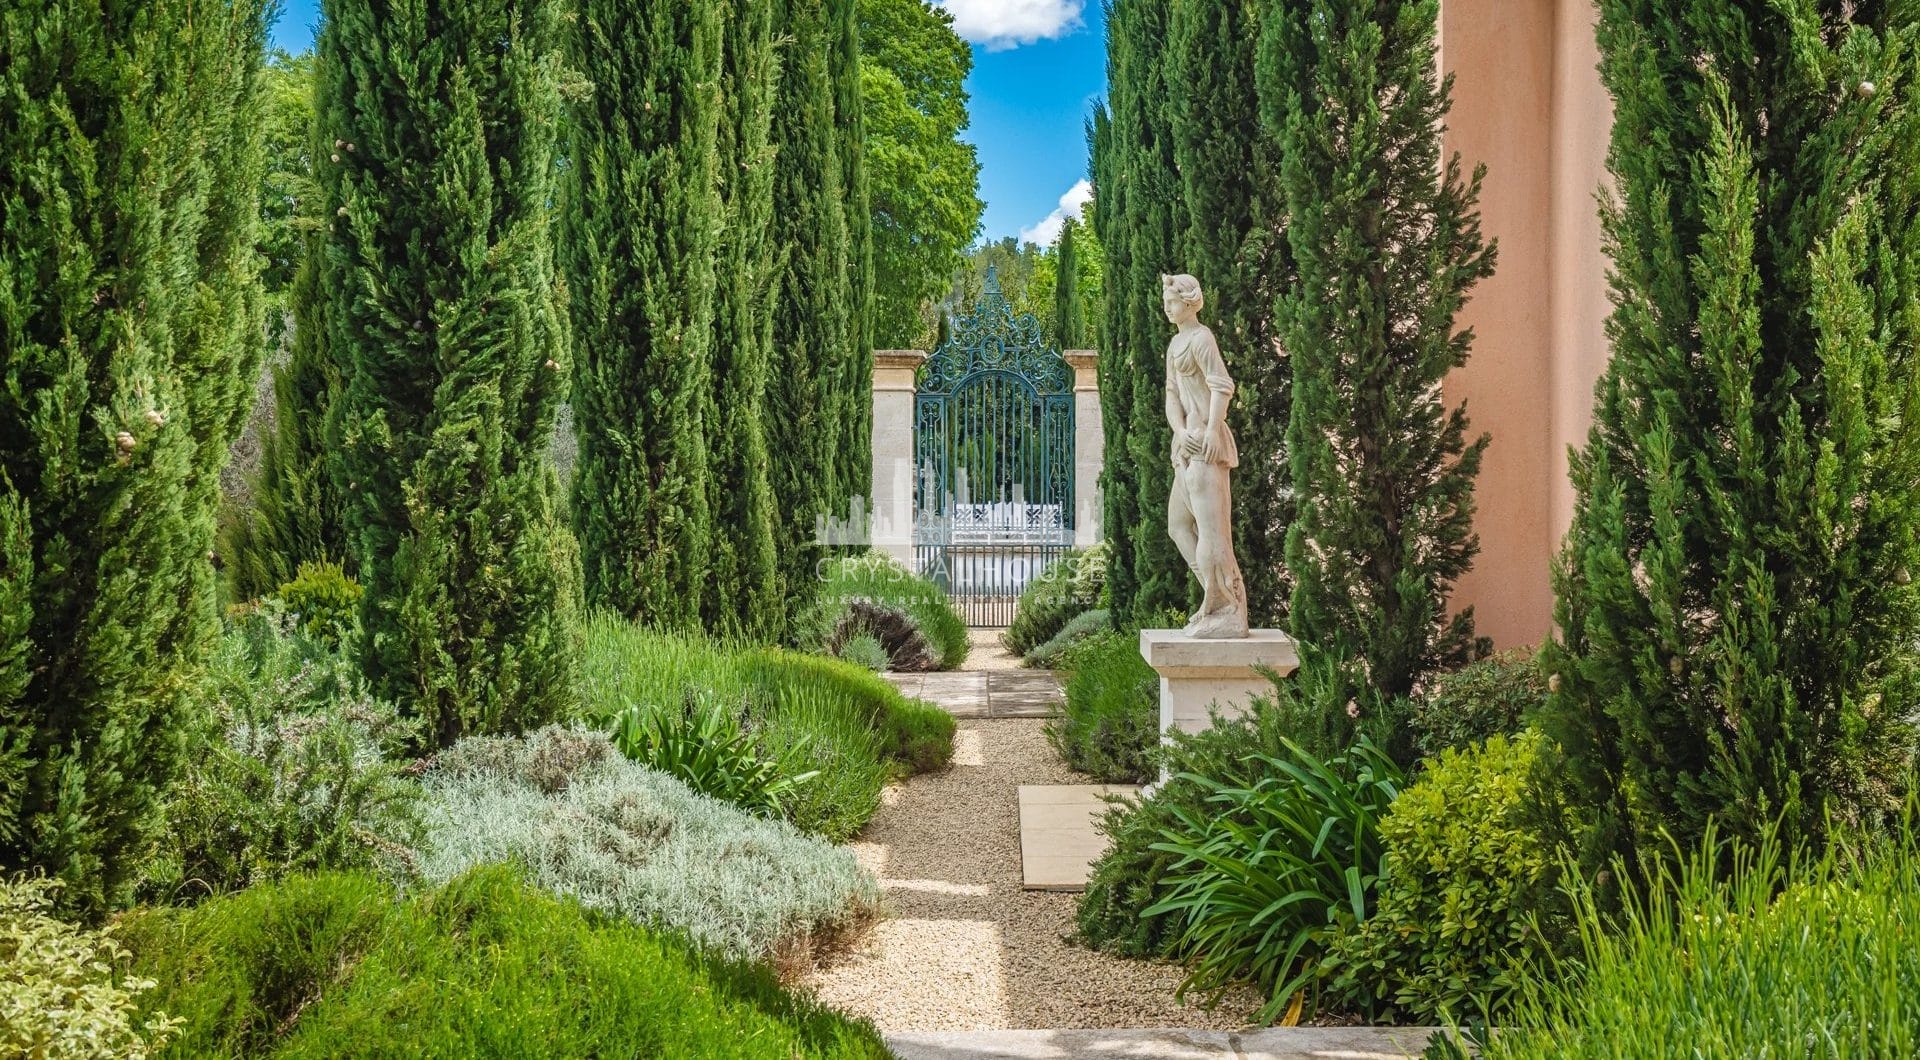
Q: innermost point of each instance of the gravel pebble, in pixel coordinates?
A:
(964, 947)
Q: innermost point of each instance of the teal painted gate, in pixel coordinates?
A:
(993, 452)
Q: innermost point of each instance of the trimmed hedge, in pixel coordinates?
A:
(1468, 889)
(335, 965)
(1495, 696)
(816, 713)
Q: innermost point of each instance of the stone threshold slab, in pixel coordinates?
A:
(1059, 840)
(984, 693)
(1276, 1043)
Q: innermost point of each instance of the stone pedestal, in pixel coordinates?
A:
(1199, 675)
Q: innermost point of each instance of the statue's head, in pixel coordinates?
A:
(1180, 296)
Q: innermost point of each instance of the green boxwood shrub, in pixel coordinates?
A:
(815, 713)
(1460, 913)
(291, 768)
(877, 578)
(1743, 951)
(1073, 584)
(1053, 654)
(1493, 697)
(337, 965)
(586, 821)
(1109, 724)
(60, 998)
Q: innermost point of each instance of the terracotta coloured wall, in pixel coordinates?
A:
(1528, 104)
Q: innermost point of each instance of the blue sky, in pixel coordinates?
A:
(1037, 67)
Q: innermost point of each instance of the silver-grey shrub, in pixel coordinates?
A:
(582, 820)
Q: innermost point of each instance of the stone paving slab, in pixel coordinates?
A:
(1021, 705)
(1023, 681)
(908, 684)
(1058, 839)
(984, 694)
(1278, 1043)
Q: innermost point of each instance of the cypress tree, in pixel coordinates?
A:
(1234, 244)
(296, 514)
(853, 467)
(1119, 496)
(1142, 235)
(444, 317)
(813, 294)
(1736, 607)
(131, 316)
(642, 213)
(1386, 243)
(746, 597)
(1069, 321)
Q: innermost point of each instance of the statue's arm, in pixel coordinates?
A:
(1214, 444)
(1176, 414)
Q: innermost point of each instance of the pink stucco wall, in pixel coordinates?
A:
(1529, 105)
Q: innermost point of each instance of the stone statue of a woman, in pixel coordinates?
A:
(1199, 511)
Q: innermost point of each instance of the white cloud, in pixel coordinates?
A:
(1000, 24)
(1072, 204)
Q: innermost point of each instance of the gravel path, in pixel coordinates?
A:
(985, 652)
(964, 947)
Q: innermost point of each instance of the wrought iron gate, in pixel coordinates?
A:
(993, 451)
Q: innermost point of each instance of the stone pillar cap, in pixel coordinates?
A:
(898, 358)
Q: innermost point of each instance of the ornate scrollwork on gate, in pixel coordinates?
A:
(992, 337)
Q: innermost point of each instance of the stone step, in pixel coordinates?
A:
(1275, 1043)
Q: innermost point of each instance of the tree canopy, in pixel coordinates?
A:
(923, 179)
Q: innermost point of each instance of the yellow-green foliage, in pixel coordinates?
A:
(1454, 931)
(323, 597)
(58, 997)
(1743, 950)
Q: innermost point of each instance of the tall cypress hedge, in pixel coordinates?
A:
(814, 297)
(641, 220)
(745, 598)
(444, 317)
(1141, 215)
(296, 514)
(1736, 601)
(853, 465)
(130, 316)
(1069, 317)
(1385, 236)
